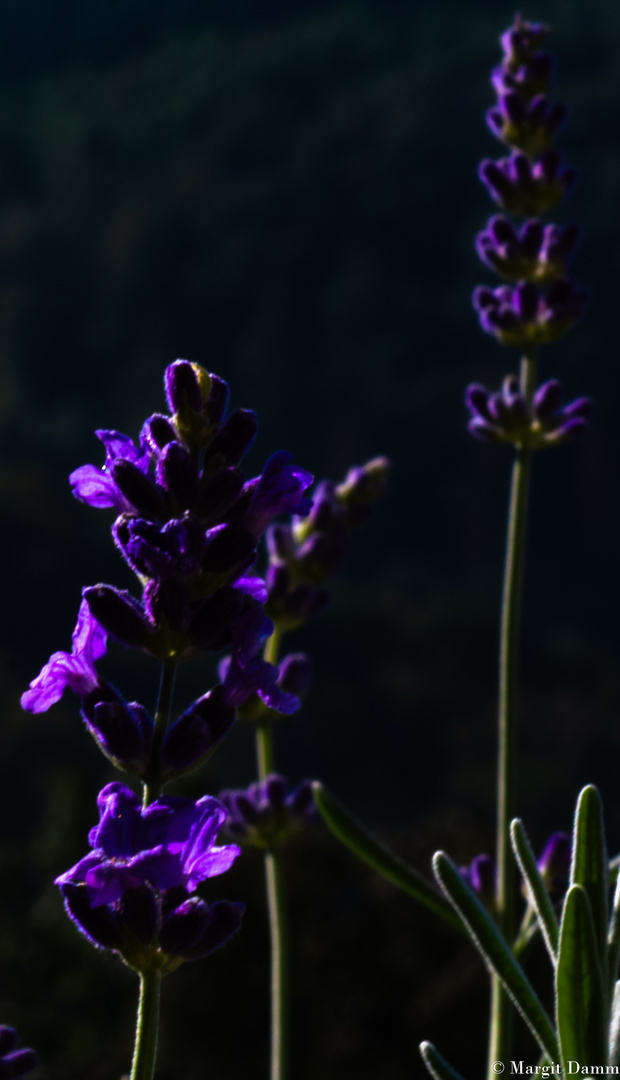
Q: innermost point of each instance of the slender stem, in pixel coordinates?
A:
(276, 900)
(501, 1006)
(147, 1028)
(264, 728)
(153, 783)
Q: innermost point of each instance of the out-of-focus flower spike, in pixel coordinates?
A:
(266, 814)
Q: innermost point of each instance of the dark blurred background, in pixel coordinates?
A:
(288, 196)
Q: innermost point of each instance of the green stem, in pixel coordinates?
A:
(264, 727)
(276, 900)
(501, 1006)
(147, 1028)
(153, 783)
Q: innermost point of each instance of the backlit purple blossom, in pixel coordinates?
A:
(97, 487)
(241, 679)
(144, 866)
(13, 1062)
(75, 670)
(279, 490)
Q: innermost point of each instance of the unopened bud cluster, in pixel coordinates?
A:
(538, 303)
(507, 416)
(541, 303)
(304, 554)
(266, 814)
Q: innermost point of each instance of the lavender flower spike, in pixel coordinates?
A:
(75, 670)
(13, 1062)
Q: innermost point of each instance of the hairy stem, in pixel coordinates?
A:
(501, 1006)
(153, 782)
(147, 1027)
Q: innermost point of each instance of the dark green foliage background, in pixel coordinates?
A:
(289, 197)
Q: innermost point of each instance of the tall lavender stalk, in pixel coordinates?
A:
(537, 306)
(189, 525)
(303, 555)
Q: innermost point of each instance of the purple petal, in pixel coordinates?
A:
(119, 824)
(253, 586)
(96, 487)
(75, 670)
(77, 873)
(214, 862)
(107, 882)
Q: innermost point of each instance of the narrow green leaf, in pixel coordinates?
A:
(436, 1064)
(614, 1029)
(613, 943)
(589, 864)
(496, 952)
(352, 833)
(539, 897)
(580, 997)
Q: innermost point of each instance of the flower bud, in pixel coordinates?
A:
(119, 614)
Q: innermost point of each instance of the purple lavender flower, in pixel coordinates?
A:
(523, 187)
(13, 1062)
(480, 875)
(279, 490)
(554, 863)
(266, 814)
(506, 417)
(524, 315)
(122, 730)
(534, 253)
(132, 893)
(75, 670)
(528, 126)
